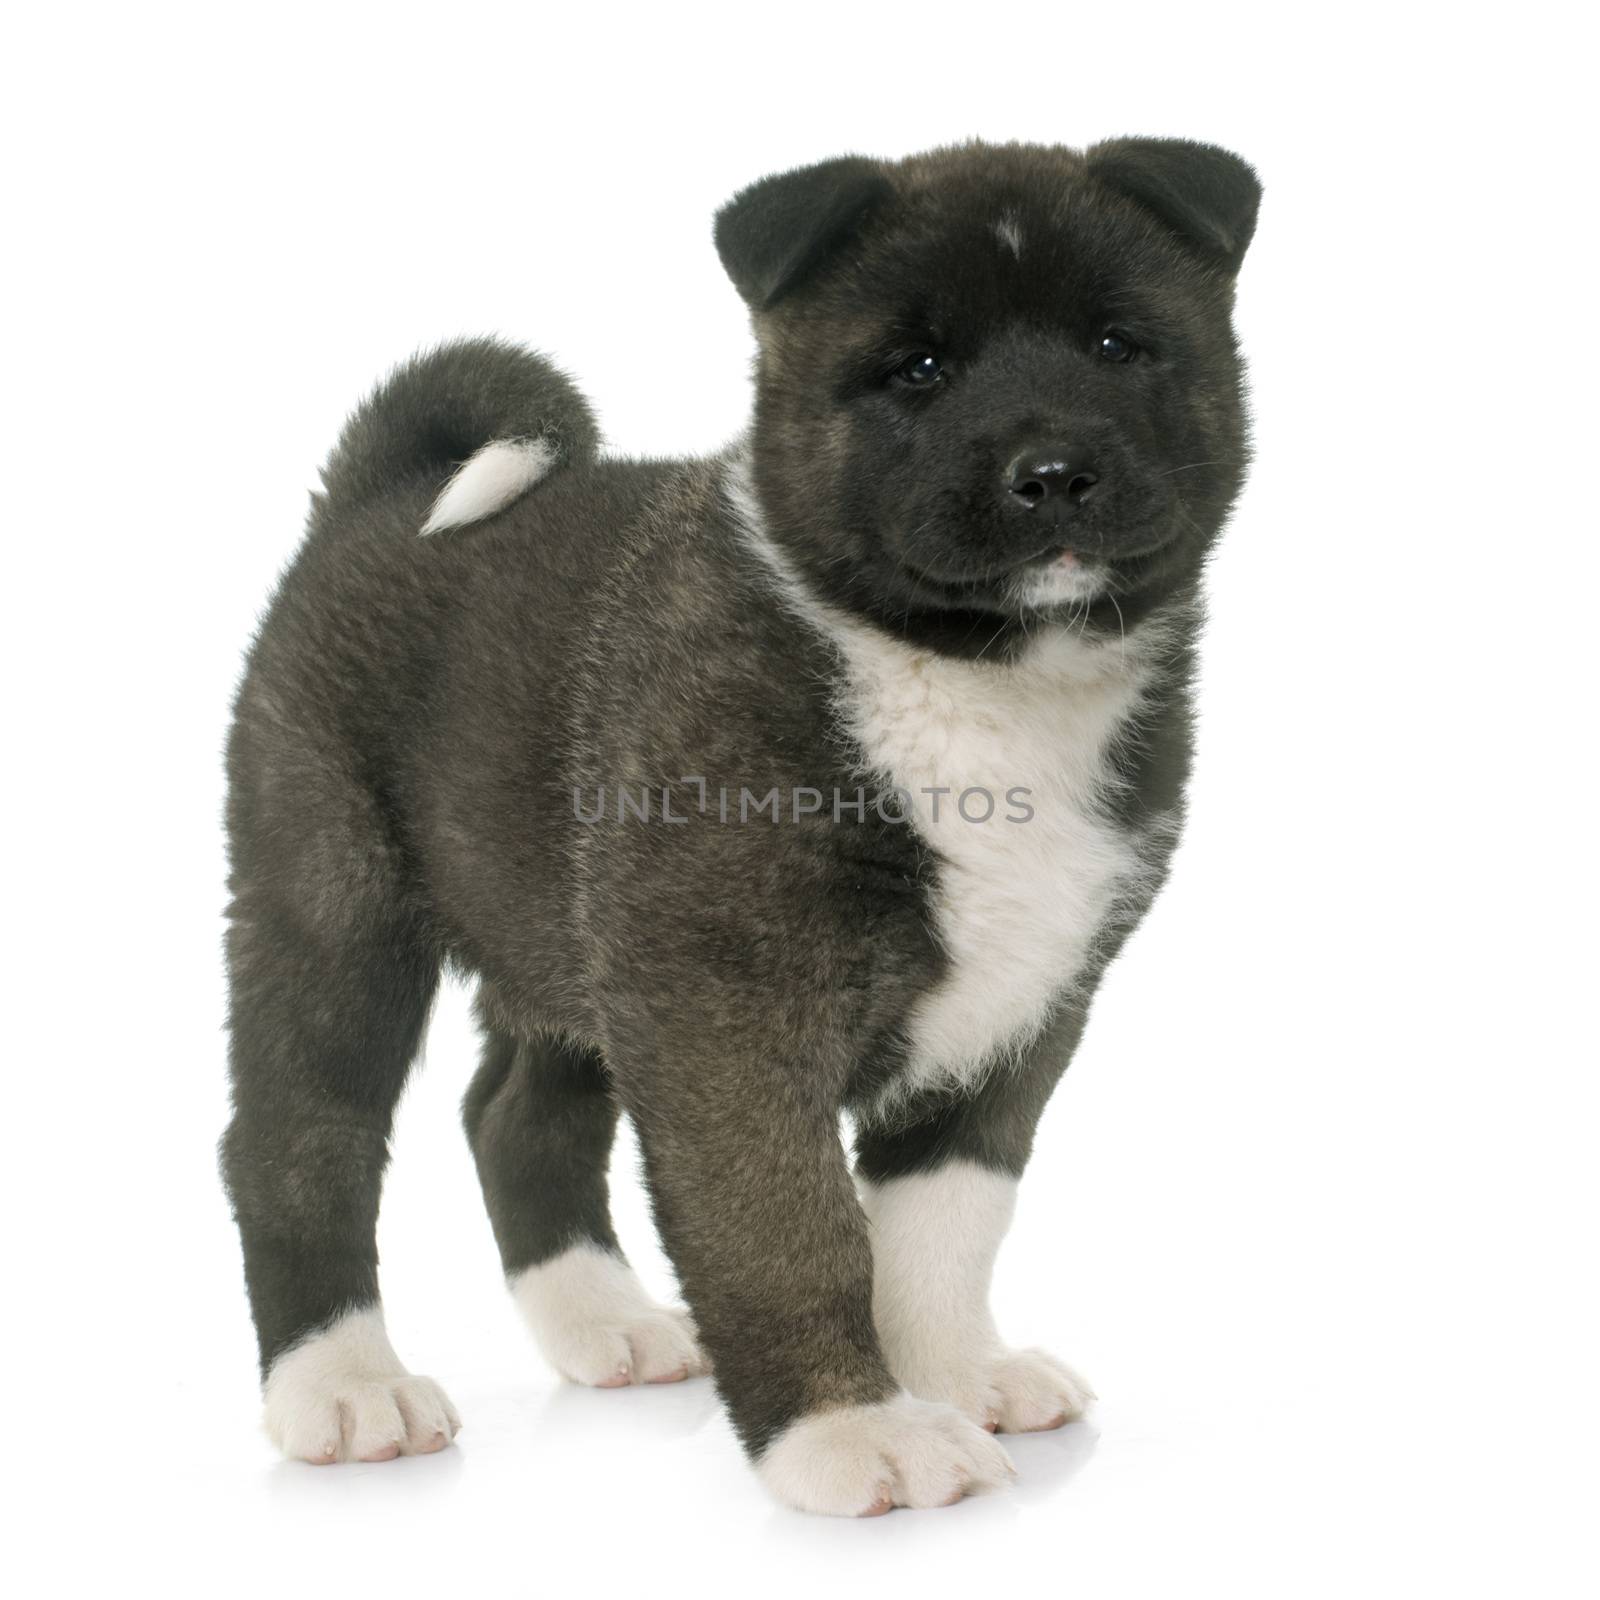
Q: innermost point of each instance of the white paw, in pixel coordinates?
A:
(342, 1395)
(1013, 1391)
(595, 1324)
(859, 1461)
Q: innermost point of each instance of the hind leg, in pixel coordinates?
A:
(540, 1117)
(323, 1029)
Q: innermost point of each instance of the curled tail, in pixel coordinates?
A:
(481, 418)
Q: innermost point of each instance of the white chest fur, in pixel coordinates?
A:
(1019, 903)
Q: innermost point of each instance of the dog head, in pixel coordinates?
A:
(997, 381)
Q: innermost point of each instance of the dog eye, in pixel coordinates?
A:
(1117, 347)
(920, 371)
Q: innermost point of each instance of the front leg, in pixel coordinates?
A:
(940, 1192)
(755, 1203)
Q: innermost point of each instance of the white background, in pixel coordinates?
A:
(1314, 1210)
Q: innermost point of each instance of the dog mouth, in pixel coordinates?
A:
(1052, 575)
(1061, 565)
(1061, 577)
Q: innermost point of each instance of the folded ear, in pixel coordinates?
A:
(773, 233)
(1206, 195)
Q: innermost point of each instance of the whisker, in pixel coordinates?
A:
(991, 639)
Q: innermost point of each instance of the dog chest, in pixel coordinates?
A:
(1004, 768)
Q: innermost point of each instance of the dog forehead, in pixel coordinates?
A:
(1008, 228)
(981, 170)
(983, 257)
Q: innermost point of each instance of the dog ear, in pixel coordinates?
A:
(1205, 194)
(773, 233)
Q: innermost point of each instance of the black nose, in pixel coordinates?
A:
(1061, 473)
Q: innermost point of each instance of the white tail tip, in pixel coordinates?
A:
(488, 482)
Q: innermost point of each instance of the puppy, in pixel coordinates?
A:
(825, 775)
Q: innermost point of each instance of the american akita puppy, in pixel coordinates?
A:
(824, 775)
